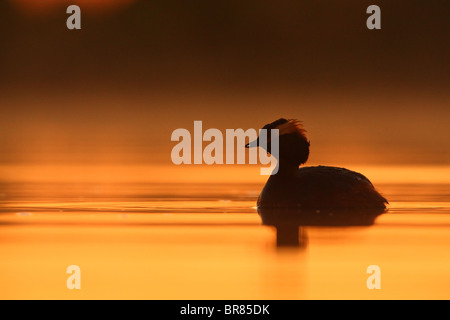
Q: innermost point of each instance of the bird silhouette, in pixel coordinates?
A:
(315, 195)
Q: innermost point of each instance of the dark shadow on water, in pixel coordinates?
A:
(290, 223)
(291, 235)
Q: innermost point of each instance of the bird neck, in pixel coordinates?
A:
(293, 151)
(287, 168)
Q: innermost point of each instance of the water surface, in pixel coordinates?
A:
(206, 241)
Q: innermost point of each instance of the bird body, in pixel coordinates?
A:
(321, 188)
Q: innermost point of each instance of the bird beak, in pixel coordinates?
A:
(252, 144)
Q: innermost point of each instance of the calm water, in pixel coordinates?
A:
(206, 241)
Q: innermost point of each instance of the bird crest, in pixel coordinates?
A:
(287, 126)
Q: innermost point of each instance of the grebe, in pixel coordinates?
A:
(319, 195)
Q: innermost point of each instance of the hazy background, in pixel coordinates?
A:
(113, 92)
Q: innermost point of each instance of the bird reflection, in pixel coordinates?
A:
(290, 224)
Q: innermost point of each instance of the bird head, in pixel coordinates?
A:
(293, 143)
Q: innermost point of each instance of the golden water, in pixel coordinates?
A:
(205, 241)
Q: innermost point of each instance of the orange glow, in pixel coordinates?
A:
(201, 174)
(86, 176)
(135, 260)
(175, 237)
(43, 6)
